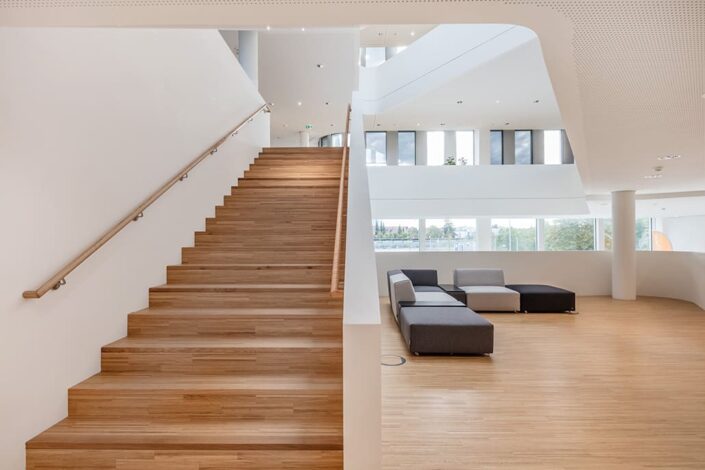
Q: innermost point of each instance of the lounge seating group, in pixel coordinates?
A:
(441, 319)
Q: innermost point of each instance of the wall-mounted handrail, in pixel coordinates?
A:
(341, 200)
(59, 279)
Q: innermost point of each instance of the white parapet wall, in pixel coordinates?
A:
(361, 319)
(93, 121)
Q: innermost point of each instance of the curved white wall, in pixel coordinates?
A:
(92, 122)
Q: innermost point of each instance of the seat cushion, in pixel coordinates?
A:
(492, 299)
(543, 298)
(478, 277)
(445, 330)
(434, 297)
(427, 288)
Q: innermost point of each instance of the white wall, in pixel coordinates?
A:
(475, 190)
(676, 275)
(92, 122)
(685, 233)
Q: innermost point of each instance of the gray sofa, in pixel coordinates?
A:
(485, 290)
(433, 322)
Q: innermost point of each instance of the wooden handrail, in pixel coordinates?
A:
(59, 279)
(341, 200)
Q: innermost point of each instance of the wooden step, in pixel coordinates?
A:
(303, 273)
(241, 295)
(157, 459)
(277, 194)
(282, 321)
(217, 397)
(288, 183)
(303, 150)
(223, 355)
(216, 255)
(145, 434)
(236, 228)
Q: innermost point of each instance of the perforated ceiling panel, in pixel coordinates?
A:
(636, 68)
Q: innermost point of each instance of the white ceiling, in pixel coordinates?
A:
(516, 79)
(392, 35)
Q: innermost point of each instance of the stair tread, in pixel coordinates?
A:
(182, 435)
(316, 312)
(238, 287)
(213, 343)
(250, 265)
(159, 382)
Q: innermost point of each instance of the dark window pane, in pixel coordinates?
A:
(325, 141)
(522, 147)
(376, 145)
(496, 147)
(407, 148)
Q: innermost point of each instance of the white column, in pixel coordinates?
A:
(421, 148)
(249, 54)
(304, 139)
(482, 146)
(484, 234)
(623, 245)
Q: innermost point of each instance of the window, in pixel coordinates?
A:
(496, 147)
(552, 148)
(643, 234)
(325, 141)
(465, 147)
(522, 147)
(407, 148)
(376, 148)
(568, 234)
(396, 234)
(513, 234)
(451, 235)
(336, 140)
(435, 149)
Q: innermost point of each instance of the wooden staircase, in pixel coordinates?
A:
(237, 362)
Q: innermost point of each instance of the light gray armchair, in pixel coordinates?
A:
(485, 290)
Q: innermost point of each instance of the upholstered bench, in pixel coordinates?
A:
(445, 330)
(542, 298)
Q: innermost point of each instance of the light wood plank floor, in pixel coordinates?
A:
(620, 385)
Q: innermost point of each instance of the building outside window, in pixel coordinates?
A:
(407, 148)
(435, 148)
(376, 148)
(396, 234)
(513, 234)
(451, 235)
(496, 147)
(568, 234)
(552, 147)
(465, 148)
(522, 148)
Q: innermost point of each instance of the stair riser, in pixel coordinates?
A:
(221, 325)
(90, 459)
(287, 183)
(252, 276)
(267, 195)
(241, 299)
(312, 361)
(206, 405)
(208, 238)
(213, 256)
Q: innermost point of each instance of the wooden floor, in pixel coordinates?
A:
(620, 385)
(237, 362)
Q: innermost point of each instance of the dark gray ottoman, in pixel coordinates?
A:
(445, 330)
(542, 298)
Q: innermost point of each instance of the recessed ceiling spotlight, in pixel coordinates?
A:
(497, 101)
(331, 125)
(303, 29)
(506, 123)
(379, 34)
(668, 157)
(271, 103)
(459, 102)
(413, 33)
(379, 125)
(269, 27)
(299, 103)
(443, 124)
(326, 103)
(653, 177)
(536, 101)
(320, 66)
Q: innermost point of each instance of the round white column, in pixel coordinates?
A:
(304, 139)
(249, 54)
(623, 245)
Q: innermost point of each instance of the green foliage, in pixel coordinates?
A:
(569, 234)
